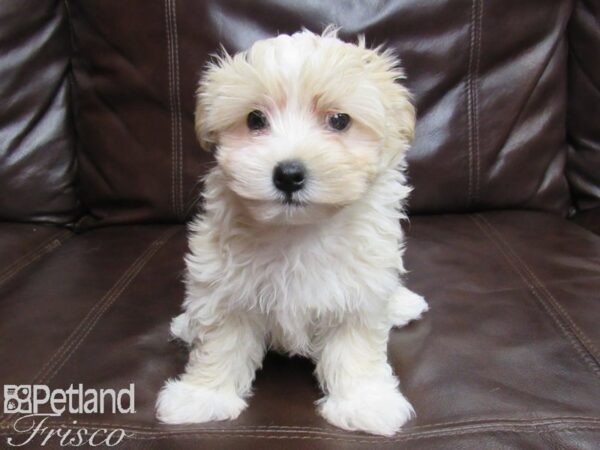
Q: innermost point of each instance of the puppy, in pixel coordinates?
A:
(299, 247)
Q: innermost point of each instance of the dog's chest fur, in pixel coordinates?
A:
(300, 280)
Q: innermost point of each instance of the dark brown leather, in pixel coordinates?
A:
(583, 110)
(589, 219)
(491, 109)
(37, 161)
(506, 358)
(21, 246)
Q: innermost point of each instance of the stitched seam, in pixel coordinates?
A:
(576, 330)
(47, 246)
(475, 87)
(171, 104)
(85, 326)
(465, 424)
(371, 441)
(442, 426)
(469, 95)
(114, 293)
(572, 339)
(174, 30)
(530, 428)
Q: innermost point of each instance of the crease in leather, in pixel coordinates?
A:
(472, 94)
(73, 100)
(584, 89)
(583, 69)
(114, 49)
(47, 246)
(177, 203)
(42, 110)
(574, 335)
(563, 424)
(534, 85)
(87, 324)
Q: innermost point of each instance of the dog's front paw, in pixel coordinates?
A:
(371, 408)
(182, 402)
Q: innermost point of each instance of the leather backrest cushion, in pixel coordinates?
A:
(489, 80)
(37, 160)
(583, 123)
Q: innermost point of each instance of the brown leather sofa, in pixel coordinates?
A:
(99, 170)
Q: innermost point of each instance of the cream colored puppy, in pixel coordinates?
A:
(299, 247)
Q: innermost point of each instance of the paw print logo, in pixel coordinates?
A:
(17, 399)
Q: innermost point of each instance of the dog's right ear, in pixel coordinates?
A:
(204, 134)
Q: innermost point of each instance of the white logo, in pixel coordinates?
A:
(34, 404)
(17, 399)
(32, 399)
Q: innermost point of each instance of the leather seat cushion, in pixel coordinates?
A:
(507, 356)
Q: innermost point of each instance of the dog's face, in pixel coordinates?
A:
(303, 124)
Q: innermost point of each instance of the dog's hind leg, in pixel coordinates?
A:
(406, 306)
(181, 328)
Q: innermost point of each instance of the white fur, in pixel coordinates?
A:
(181, 402)
(320, 280)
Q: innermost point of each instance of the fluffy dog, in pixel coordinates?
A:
(299, 247)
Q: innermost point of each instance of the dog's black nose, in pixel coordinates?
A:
(289, 176)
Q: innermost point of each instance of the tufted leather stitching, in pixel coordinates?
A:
(564, 424)
(552, 308)
(85, 326)
(171, 106)
(109, 298)
(174, 109)
(472, 93)
(476, 103)
(576, 330)
(49, 245)
(178, 103)
(436, 425)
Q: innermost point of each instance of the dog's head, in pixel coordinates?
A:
(303, 124)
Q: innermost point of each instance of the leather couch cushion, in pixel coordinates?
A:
(490, 94)
(37, 161)
(506, 358)
(583, 111)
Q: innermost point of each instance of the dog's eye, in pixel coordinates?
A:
(257, 120)
(338, 121)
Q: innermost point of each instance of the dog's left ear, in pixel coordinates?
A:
(402, 112)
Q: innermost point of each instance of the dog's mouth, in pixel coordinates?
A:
(293, 202)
